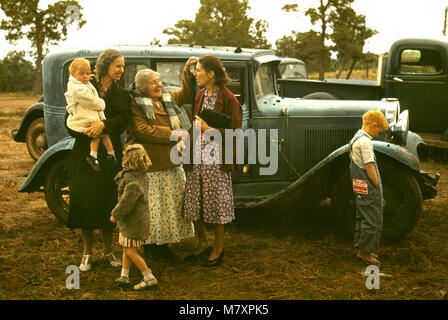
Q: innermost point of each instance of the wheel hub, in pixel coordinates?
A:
(41, 141)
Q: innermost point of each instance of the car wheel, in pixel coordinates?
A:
(56, 189)
(320, 96)
(402, 204)
(36, 139)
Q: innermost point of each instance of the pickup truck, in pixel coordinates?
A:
(310, 141)
(415, 71)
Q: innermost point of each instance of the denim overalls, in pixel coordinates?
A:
(369, 205)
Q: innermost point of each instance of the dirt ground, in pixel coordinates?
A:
(268, 255)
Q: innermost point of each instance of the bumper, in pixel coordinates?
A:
(428, 184)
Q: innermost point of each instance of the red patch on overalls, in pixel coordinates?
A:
(360, 186)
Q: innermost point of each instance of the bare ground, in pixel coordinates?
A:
(268, 255)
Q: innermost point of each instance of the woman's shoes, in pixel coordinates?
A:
(215, 262)
(193, 258)
(87, 264)
(113, 260)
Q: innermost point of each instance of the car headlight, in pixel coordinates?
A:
(398, 132)
(392, 110)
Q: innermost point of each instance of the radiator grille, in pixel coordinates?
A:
(319, 142)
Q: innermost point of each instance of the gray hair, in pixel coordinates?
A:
(141, 78)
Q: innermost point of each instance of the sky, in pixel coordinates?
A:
(111, 22)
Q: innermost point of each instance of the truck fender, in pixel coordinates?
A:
(395, 152)
(35, 178)
(32, 113)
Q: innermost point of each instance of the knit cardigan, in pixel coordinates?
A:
(132, 210)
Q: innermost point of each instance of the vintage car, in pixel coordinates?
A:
(311, 142)
(415, 71)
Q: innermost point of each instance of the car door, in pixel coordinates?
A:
(420, 82)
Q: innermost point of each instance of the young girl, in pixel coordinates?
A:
(132, 213)
(85, 107)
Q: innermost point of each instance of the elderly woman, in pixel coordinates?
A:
(93, 194)
(208, 192)
(153, 120)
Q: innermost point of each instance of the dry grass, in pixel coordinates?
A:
(268, 255)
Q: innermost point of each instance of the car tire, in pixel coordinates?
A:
(320, 96)
(56, 188)
(402, 203)
(36, 140)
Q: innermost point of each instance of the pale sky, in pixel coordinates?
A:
(112, 22)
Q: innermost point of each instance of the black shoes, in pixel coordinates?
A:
(201, 257)
(93, 162)
(157, 252)
(111, 158)
(215, 262)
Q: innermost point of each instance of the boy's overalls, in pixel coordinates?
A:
(369, 205)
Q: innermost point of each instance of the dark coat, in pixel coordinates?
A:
(93, 194)
(227, 103)
(132, 210)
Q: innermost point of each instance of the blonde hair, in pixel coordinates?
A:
(76, 64)
(135, 157)
(375, 116)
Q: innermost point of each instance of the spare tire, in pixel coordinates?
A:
(320, 96)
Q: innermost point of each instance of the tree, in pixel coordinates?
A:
(333, 16)
(43, 27)
(16, 73)
(349, 36)
(221, 22)
(304, 46)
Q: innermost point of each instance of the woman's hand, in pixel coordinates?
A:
(204, 125)
(112, 219)
(95, 129)
(192, 61)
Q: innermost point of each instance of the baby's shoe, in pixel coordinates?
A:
(93, 162)
(87, 265)
(123, 280)
(111, 158)
(146, 283)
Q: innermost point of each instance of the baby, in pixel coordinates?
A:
(84, 108)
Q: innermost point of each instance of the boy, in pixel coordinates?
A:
(367, 187)
(86, 107)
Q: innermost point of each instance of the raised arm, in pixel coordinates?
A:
(187, 93)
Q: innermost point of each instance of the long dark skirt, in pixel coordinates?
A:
(93, 194)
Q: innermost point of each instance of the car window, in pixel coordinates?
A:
(171, 73)
(420, 61)
(236, 84)
(264, 81)
(292, 70)
(130, 70)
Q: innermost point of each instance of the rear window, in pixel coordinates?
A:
(420, 61)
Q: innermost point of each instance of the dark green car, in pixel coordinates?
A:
(306, 157)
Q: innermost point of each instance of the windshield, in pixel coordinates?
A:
(292, 70)
(264, 81)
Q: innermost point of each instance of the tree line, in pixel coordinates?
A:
(338, 31)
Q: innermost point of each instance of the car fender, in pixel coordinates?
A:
(388, 150)
(415, 144)
(35, 178)
(32, 113)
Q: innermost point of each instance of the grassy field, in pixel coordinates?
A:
(268, 255)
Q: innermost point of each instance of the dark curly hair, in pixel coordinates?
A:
(213, 63)
(103, 62)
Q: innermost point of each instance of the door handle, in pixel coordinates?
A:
(397, 79)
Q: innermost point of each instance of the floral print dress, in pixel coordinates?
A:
(208, 190)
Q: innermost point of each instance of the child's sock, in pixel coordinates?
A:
(147, 275)
(94, 154)
(125, 273)
(112, 153)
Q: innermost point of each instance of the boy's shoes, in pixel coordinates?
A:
(93, 162)
(113, 260)
(111, 158)
(87, 265)
(123, 280)
(370, 258)
(146, 284)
